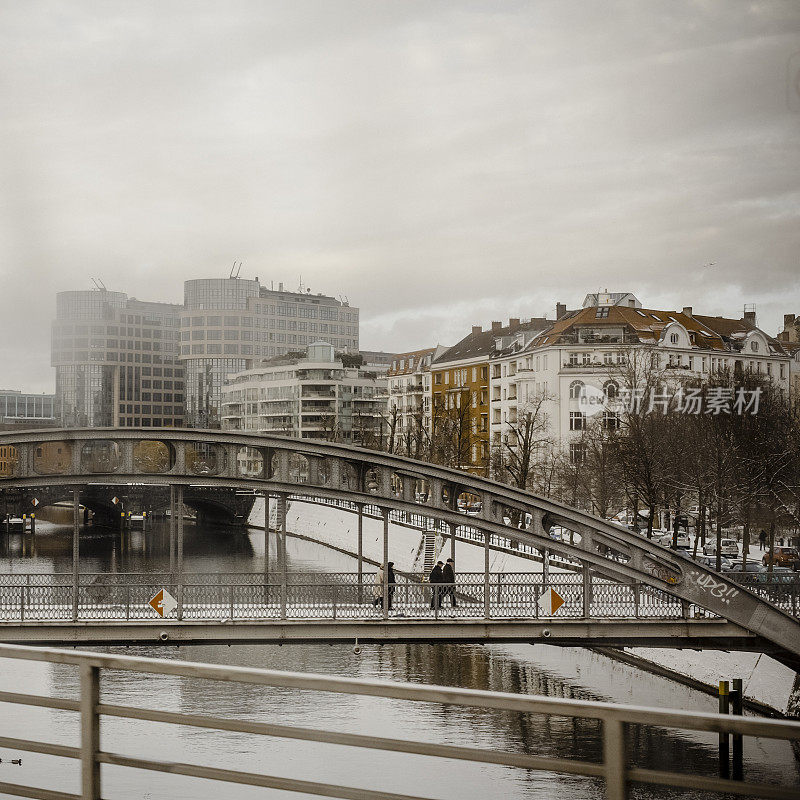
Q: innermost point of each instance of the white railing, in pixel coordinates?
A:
(614, 768)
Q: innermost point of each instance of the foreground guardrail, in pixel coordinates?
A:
(614, 768)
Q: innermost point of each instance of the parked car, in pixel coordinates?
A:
(728, 547)
(783, 557)
(750, 568)
(779, 575)
(711, 562)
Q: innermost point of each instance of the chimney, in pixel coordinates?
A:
(687, 311)
(513, 322)
(497, 327)
(561, 309)
(476, 329)
(788, 319)
(750, 316)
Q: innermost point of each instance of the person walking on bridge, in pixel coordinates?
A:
(449, 581)
(377, 591)
(391, 580)
(436, 581)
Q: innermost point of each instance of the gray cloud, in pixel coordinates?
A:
(442, 165)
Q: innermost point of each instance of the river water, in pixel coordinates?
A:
(538, 669)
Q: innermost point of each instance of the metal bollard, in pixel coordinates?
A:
(724, 740)
(737, 703)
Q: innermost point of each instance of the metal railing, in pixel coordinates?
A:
(614, 769)
(37, 597)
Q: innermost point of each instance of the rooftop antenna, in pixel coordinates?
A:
(300, 286)
(99, 284)
(235, 269)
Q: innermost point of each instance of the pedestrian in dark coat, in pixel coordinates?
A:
(762, 538)
(435, 579)
(391, 581)
(449, 580)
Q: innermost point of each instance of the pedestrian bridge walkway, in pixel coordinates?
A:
(344, 607)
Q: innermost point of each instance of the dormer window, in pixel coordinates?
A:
(754, 346)
(673, 337)
(601, 313)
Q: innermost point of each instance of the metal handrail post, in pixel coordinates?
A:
(486, 588)
(385, 588)
(284, 576)
(587, 592)
(172, 524)
(266, 535)
(360, 507)
(179, 559)
(614, 759)
(76, 507)
(90, 731)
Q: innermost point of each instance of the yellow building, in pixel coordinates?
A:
(459, 422)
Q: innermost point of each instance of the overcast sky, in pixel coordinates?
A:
(441, 164)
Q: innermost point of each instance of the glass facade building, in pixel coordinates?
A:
(228, 325)
(116, 361)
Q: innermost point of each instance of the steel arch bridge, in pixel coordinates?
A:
(283, 467)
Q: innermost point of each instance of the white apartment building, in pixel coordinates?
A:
(584, 350)
(315, 397)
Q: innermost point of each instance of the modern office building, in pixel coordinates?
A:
(116, 361)
(311, 397)
(24, 410)
(229, 324)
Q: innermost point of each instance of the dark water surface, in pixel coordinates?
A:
(522, 669)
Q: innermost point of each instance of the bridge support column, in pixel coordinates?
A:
(179, 548)
(486, 589)
(385, 515)
(545, 567)
(282, 546)
(76, 526)
(452, 527)
(360, 507)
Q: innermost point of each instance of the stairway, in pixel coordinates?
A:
(430, 550)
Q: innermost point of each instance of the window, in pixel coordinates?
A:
(601, 313)
(754, 346)
(576, 453)
(673, 337)
(575, 389)
(611, 420)
(577, 420)
(611, 390)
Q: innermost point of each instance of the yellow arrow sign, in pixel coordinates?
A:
(550, 601)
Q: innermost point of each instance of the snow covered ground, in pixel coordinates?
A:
(765, 680)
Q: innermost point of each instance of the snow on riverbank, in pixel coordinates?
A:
(765, 680)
